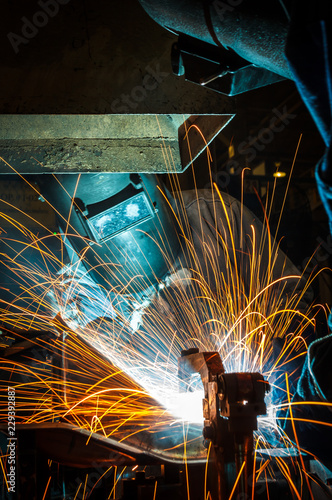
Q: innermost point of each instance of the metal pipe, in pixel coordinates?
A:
(255, 30)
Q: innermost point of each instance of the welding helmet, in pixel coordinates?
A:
(119, 225)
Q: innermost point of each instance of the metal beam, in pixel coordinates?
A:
(31, 144)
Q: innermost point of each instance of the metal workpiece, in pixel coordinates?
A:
(231, 405)
(143, 143)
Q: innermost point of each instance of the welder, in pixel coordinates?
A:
(132, 246)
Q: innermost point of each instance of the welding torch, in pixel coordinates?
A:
(231, 405)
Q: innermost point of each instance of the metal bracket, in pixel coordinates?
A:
(222, 70)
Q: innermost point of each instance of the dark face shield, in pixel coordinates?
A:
(119, 225)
